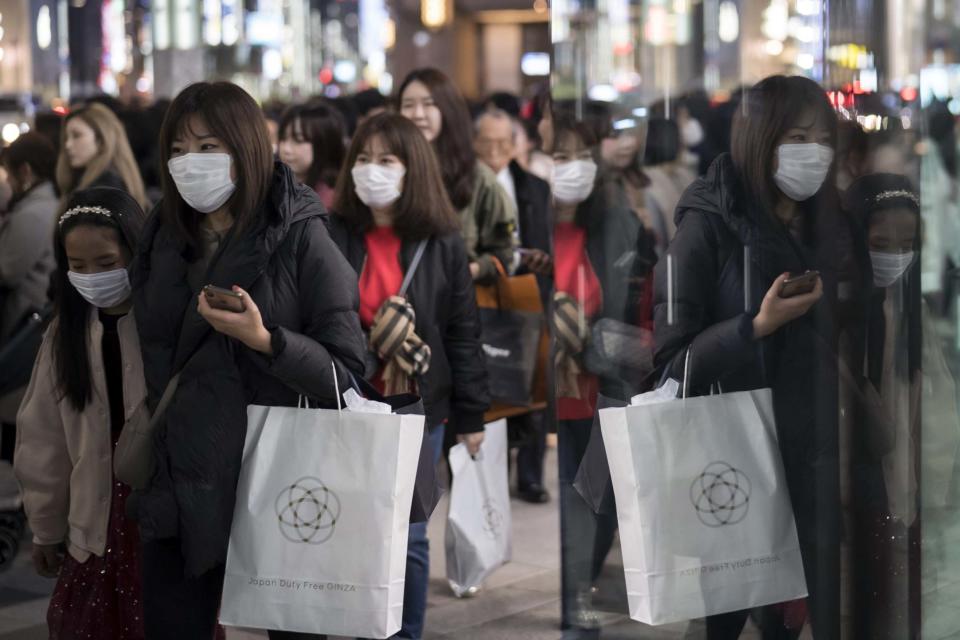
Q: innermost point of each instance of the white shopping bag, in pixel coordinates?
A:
(319, 537)
(706, 525)
(478, 525)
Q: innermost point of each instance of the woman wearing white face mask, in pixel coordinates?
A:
(395, 224)
(762, 213)
(233, 218)
(87, 382)
(602, 255)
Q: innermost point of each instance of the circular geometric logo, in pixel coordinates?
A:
(307, 511)
(721, 495)
(492, 519)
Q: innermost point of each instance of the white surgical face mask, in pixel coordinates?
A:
(573, 182)
(203, 179)
(102, 290)
(802, 169)
(692, 133)
(888, 268)
(378, 186)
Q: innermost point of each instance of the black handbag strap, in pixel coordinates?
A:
(412, 269)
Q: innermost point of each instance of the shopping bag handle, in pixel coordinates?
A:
(685, 389)
(303, 402)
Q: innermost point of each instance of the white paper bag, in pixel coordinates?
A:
(319, 537)
(478, 525)
(706, 525)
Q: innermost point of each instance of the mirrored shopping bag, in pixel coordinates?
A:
(319, 536)
(478, 538)
(706, 525)
(593, 477)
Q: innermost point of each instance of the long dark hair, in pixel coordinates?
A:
(454, 145)
(423, 209)
(324, 127)
(768, 110)
(233, 117)
(71, 357)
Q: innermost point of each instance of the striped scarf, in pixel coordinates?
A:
(570, 327)
(393, 338)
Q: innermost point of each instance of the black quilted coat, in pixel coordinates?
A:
(307, 294)
(725, 257)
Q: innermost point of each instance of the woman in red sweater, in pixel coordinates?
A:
(394, 223)
(602, 260)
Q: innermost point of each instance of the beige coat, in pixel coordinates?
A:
(64, 458)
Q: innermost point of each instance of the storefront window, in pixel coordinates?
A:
(709, 151)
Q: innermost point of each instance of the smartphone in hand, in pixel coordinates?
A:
(224, 299)
(799, 285)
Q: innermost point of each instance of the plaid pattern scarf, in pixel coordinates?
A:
(571, 330)
(393, 338)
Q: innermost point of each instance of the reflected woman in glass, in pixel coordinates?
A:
(763, 212)
(601, 253)
(899, 359)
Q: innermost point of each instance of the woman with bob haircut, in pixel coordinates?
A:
(764, 212)
(233, 218)
(391, 208)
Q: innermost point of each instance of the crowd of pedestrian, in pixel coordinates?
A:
(357, 231)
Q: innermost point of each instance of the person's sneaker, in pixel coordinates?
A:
(534, 494)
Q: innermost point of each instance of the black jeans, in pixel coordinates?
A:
(585, 537)
(530, 454)
(179, 608)
(729, 626)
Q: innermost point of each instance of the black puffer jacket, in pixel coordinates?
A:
(308, 296)
(444, 298)
(716, 296)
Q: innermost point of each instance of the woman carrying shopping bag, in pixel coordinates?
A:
(282, 317)
(398, 230)
(763, 214)
(87, 383)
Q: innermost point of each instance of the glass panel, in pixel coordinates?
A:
(716, 182)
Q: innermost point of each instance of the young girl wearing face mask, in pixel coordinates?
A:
(396, 226)
(899, 356)
(762, 213)
(87, 383)
(601, 253)
(233, 218)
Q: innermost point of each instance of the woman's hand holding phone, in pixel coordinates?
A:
(776, 311)
(246, 326)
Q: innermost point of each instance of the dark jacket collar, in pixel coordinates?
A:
(720, 193)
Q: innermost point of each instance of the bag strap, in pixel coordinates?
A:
(166, 397)
(685, 389)
(408, 276)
